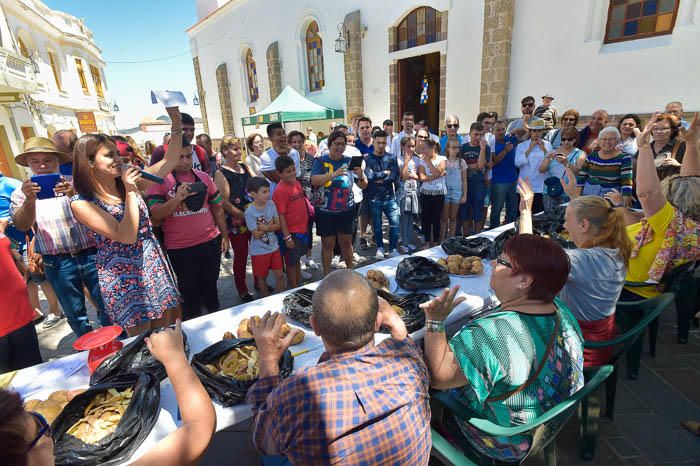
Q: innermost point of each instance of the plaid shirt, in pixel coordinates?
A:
(363, 407)
(57, 231)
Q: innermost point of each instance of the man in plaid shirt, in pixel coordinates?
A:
(362, 404)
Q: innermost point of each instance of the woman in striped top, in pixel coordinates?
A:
(607, 169)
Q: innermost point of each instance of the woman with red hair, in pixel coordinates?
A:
(520, 360)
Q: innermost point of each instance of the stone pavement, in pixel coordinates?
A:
(648, 411)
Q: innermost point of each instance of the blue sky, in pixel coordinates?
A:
(131, 30)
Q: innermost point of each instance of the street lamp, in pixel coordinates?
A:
(195, 101)
(342, 44)
(115, 107)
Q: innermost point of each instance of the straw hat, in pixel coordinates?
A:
(535, 123)
(39, 145)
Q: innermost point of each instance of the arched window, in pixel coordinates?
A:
(252, 74)
(421, 26)
(314, 57)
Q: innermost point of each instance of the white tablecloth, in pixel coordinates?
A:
(71, 371)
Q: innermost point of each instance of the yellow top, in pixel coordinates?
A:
(638, 269)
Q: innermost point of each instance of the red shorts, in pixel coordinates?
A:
(266, 262)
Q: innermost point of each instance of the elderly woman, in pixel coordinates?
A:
(255, 145)
(629, 127)
(26, 436)
(335, 216)
(667, 235)
(667, 148)
(607, 168)
(555, 164)
(518, 362)
(569, 119)
(529, 156)
(598, 264)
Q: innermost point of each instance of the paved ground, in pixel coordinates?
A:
(648, 412)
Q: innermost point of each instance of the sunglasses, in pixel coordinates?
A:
(422, 137)
(453, 126)
(567, 139)
(504, 263)
(528, 105)
(43, 428)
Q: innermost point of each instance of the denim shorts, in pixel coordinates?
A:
(454, 195)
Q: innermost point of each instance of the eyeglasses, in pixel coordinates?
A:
(532, 104)
(567, 139)
(43, 428)
(568, 119)
(504, 262)
(422, 137)
(661, 130)
(453, 126)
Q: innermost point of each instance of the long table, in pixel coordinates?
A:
(71, 372)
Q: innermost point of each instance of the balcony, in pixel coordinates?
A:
(16, 74)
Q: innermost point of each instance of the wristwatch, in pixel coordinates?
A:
(435, 326)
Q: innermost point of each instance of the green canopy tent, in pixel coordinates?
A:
(290, 106)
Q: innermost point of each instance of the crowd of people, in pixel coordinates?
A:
(147, 252)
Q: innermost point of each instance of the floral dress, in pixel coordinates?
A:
(136, 282)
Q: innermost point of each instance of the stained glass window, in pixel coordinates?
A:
(421, 26)
(252, 74)
(637, 19)
(314, 57)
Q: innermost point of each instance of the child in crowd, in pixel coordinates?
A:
(262, 220)
(456, 182)
(476, 153)
(293, 213)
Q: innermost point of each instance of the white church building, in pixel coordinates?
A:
(463, 56)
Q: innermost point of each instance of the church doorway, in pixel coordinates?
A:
(414, 74)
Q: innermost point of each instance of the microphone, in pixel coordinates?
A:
(144, 174)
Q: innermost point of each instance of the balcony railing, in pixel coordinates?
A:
(16, 73)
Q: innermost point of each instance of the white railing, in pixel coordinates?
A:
(16, 71)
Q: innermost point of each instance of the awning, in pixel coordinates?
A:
(291, 106)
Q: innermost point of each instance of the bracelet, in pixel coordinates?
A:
(287, 238)
(435, 326)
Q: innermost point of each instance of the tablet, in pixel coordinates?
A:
(46, 183)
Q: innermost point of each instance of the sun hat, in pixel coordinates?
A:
(40, 145)
(535, 123)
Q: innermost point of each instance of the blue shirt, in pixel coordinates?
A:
(364, 150)
(443, 143)
(380, 185)
(336, 194)
(506, 171)
(7, 187)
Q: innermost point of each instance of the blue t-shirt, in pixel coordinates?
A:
(336, 194)
(364, 150)
(505, 172)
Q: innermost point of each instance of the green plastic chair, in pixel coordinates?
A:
(683, 284)
(631, 319)
(543, 429)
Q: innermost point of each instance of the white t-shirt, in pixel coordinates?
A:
(267, 163)
(438, 184)
(530, 165)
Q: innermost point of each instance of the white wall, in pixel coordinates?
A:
(223, 37)
(558, 48)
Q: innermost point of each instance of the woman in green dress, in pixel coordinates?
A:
(520, 360)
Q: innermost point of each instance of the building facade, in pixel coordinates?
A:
(438, 57)
(63, 62)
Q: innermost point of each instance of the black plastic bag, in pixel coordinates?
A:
(413, 316)
(227, 390)
(477, 246)
(297, 305)
(500, 241)
(419, 273)
(547, 223)
(133, 428)
(133, 357)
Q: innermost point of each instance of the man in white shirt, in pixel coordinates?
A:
(529, 156)
(407, 120)
(278, 137)
(311, 136)
(388, 127)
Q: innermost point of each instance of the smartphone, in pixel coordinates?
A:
(356, 162)
(144, 174)
(46, 183)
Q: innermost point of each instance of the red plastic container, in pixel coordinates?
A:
(101, 343)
